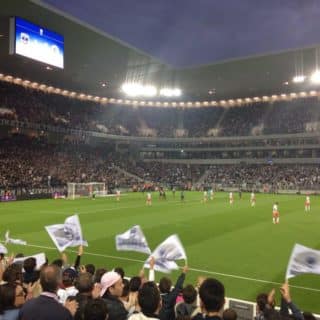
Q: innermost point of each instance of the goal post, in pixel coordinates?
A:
(78, 190)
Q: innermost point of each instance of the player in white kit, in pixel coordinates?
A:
(149, 199)
(231, 198)
(307, 206)
(253, 199)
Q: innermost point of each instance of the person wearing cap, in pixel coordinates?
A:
(111, 291)
(69, 276)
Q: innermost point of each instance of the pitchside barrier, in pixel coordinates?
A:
(245, 310)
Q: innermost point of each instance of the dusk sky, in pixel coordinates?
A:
(193, 32)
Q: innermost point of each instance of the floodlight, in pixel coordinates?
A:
(166, 92)
(149, 91)
(132, 89)
(177, 92)
(299, 79)
(315, 77)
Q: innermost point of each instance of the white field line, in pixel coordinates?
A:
(192, 269)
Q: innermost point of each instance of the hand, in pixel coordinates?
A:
(271, 299)
(10, 259)
(30, 288)
(82, 269)
(96, 291)
(72, 306)
(185, 269)
(285, 292)
(64, 258)
(152, 262)
(141, 273)
(80, 251)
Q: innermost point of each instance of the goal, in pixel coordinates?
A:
(77, 190)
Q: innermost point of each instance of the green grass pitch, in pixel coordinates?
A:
(237, 244)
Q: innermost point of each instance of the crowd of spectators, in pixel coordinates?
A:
(275, 177)
(32, 163)
(83, 292)
(33, 106)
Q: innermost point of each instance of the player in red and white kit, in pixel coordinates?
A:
(307, 204)
(118, 194)
(253, 199)
(231, 198)
(275, 213)
(149, 199)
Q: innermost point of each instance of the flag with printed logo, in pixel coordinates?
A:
(132, 240)
(303, 260)
(68, 234)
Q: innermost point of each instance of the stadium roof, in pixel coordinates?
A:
(98, 64)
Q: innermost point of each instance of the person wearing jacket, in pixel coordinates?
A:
(169, 296)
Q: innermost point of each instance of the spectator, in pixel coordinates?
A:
(212, 300)
(149, 302)
(46, 306)
(229, 314)
(12, 298)
(111, 291)
(169, 296)
(95, 309)
(187, 308)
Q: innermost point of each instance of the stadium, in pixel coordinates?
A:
(100, 136)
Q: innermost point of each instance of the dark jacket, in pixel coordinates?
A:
(116, 309)
(44, 308)
(169, 300)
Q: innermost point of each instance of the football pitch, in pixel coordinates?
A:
(238, 244)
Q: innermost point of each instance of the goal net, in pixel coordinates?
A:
(77, 190)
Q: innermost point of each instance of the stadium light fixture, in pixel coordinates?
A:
(168, 92)
(299, 79)
(177, 92)
(149, 91)
(132, 89)
(137, 89)
(315, 77)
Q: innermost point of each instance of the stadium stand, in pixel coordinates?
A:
(51, 136)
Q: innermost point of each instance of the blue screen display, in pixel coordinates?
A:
(38, 43)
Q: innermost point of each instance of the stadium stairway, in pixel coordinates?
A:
(128, 174)
(203, 177)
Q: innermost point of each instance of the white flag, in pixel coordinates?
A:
(40, 260)
(132, 240)
(3, 249)
(303, 260)
(13, 241)
(165, 266)
(166, 253)
(68, 234)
